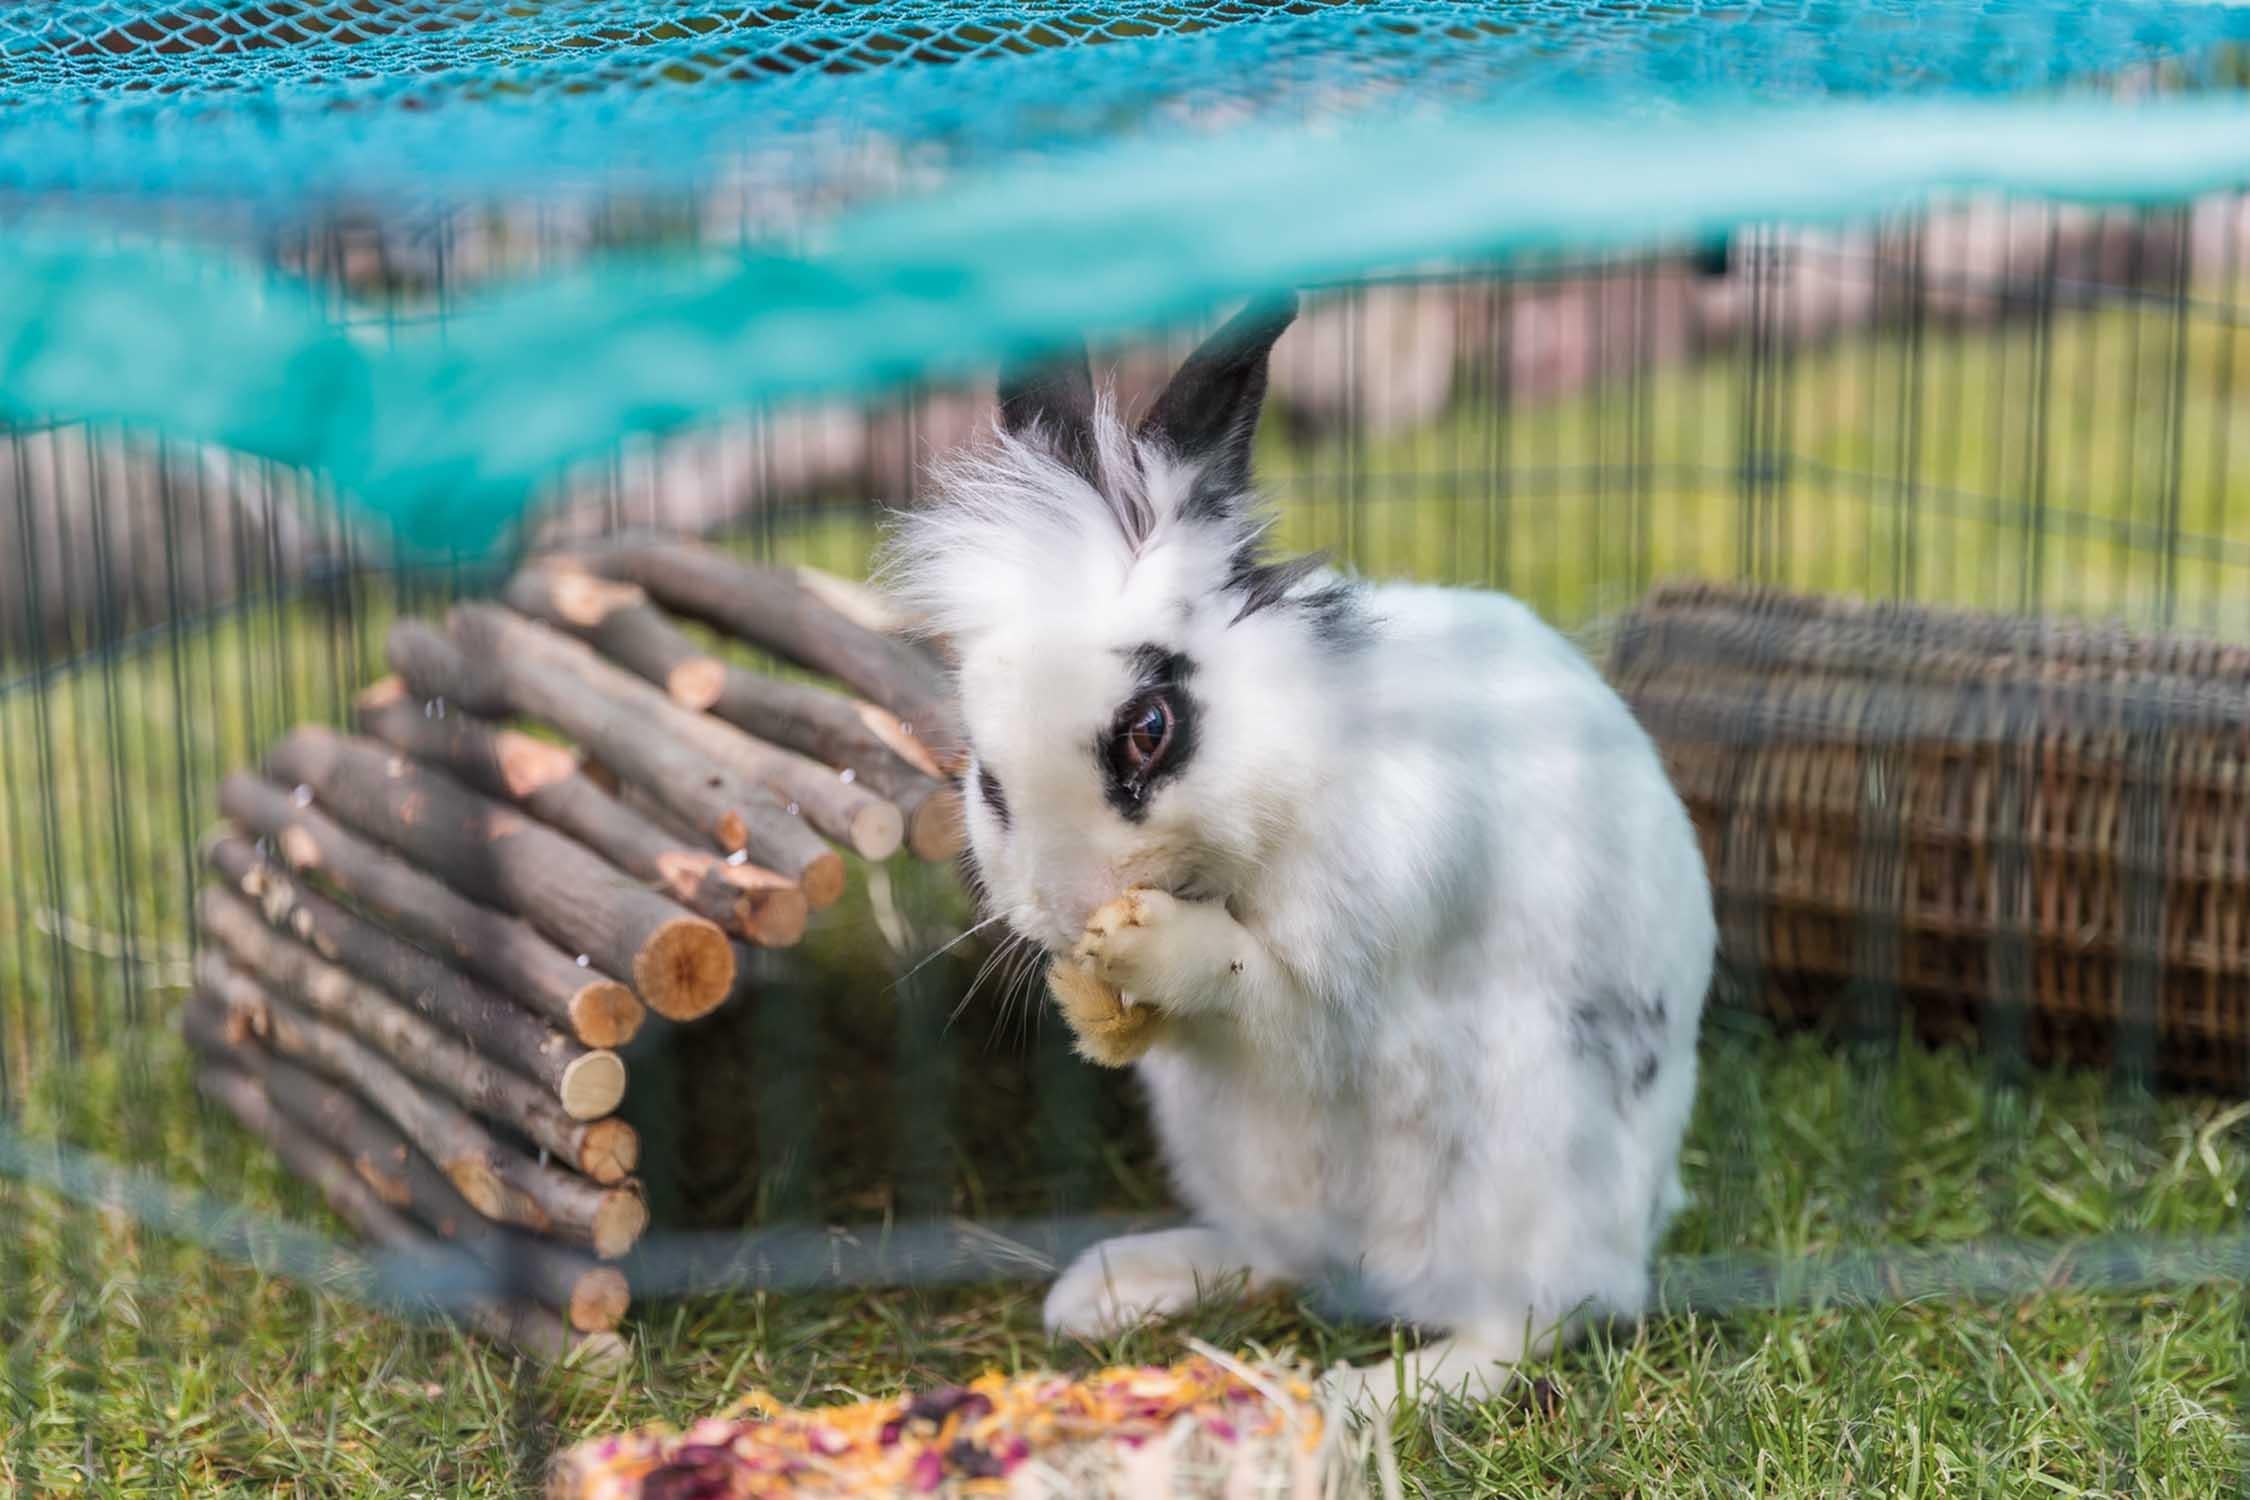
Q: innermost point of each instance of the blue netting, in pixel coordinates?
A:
(949, 182)
(287, 103)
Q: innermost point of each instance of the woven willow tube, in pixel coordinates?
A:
(1994, 819)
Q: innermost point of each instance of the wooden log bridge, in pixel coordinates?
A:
(681, 965)
(501, 949)
(773, 609)
(428, 935)
(604, 1149)
(242, 1084)
(761, 905)
(589, 1082)
(797, 730)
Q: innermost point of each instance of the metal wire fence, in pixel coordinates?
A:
(2004, 406)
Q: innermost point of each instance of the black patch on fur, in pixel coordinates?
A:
(1339, 616)
(1156, 669)
(1589, 1033)
(988, 788)
(1210, 497)
(1208, 412)
(1262, 585)
(1051, 403)
(1335, 610)
(1623, 1035)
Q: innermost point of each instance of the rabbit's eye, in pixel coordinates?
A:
(1145, 738)
(1152, 738)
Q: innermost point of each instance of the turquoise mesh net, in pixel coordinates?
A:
(829, 198)
(412, 100)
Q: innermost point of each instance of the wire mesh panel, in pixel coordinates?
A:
(406, 1070)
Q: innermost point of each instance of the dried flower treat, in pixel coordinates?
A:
(1202, 1427)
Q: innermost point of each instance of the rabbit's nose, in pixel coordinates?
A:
(1072, 915)
(1068, 883)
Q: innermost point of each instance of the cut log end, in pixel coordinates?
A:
(823, 880)
(384, 1179)
(527, 765)
(749, 877)
(683, 872)
(381, 694)
(605, 1014)
(475, 1180)
(774, 917)
(611, 1151)
(244, 1018)
(885, 726)
(253, 881)
(585, 600)
(299, 848)
(685, 969)
(862, 604)
(877, 830)
(618, 1223)
(938, 830)
(592, 1086)
(598, 1300)
(697, 683)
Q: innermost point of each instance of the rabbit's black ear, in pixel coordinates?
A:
(1208, 414)
(1054, 398)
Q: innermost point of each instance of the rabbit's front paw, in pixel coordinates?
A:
(1110, 1033)
(1124, 943)
(1145, 957)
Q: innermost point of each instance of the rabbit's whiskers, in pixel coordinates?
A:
(936, 954)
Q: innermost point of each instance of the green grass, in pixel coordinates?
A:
(134, 1364)
(2095, 469)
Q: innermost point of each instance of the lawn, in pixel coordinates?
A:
(137, 1363)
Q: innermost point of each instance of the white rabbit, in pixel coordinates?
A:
(1424, 923)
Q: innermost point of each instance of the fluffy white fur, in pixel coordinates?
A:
(1427, 924)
